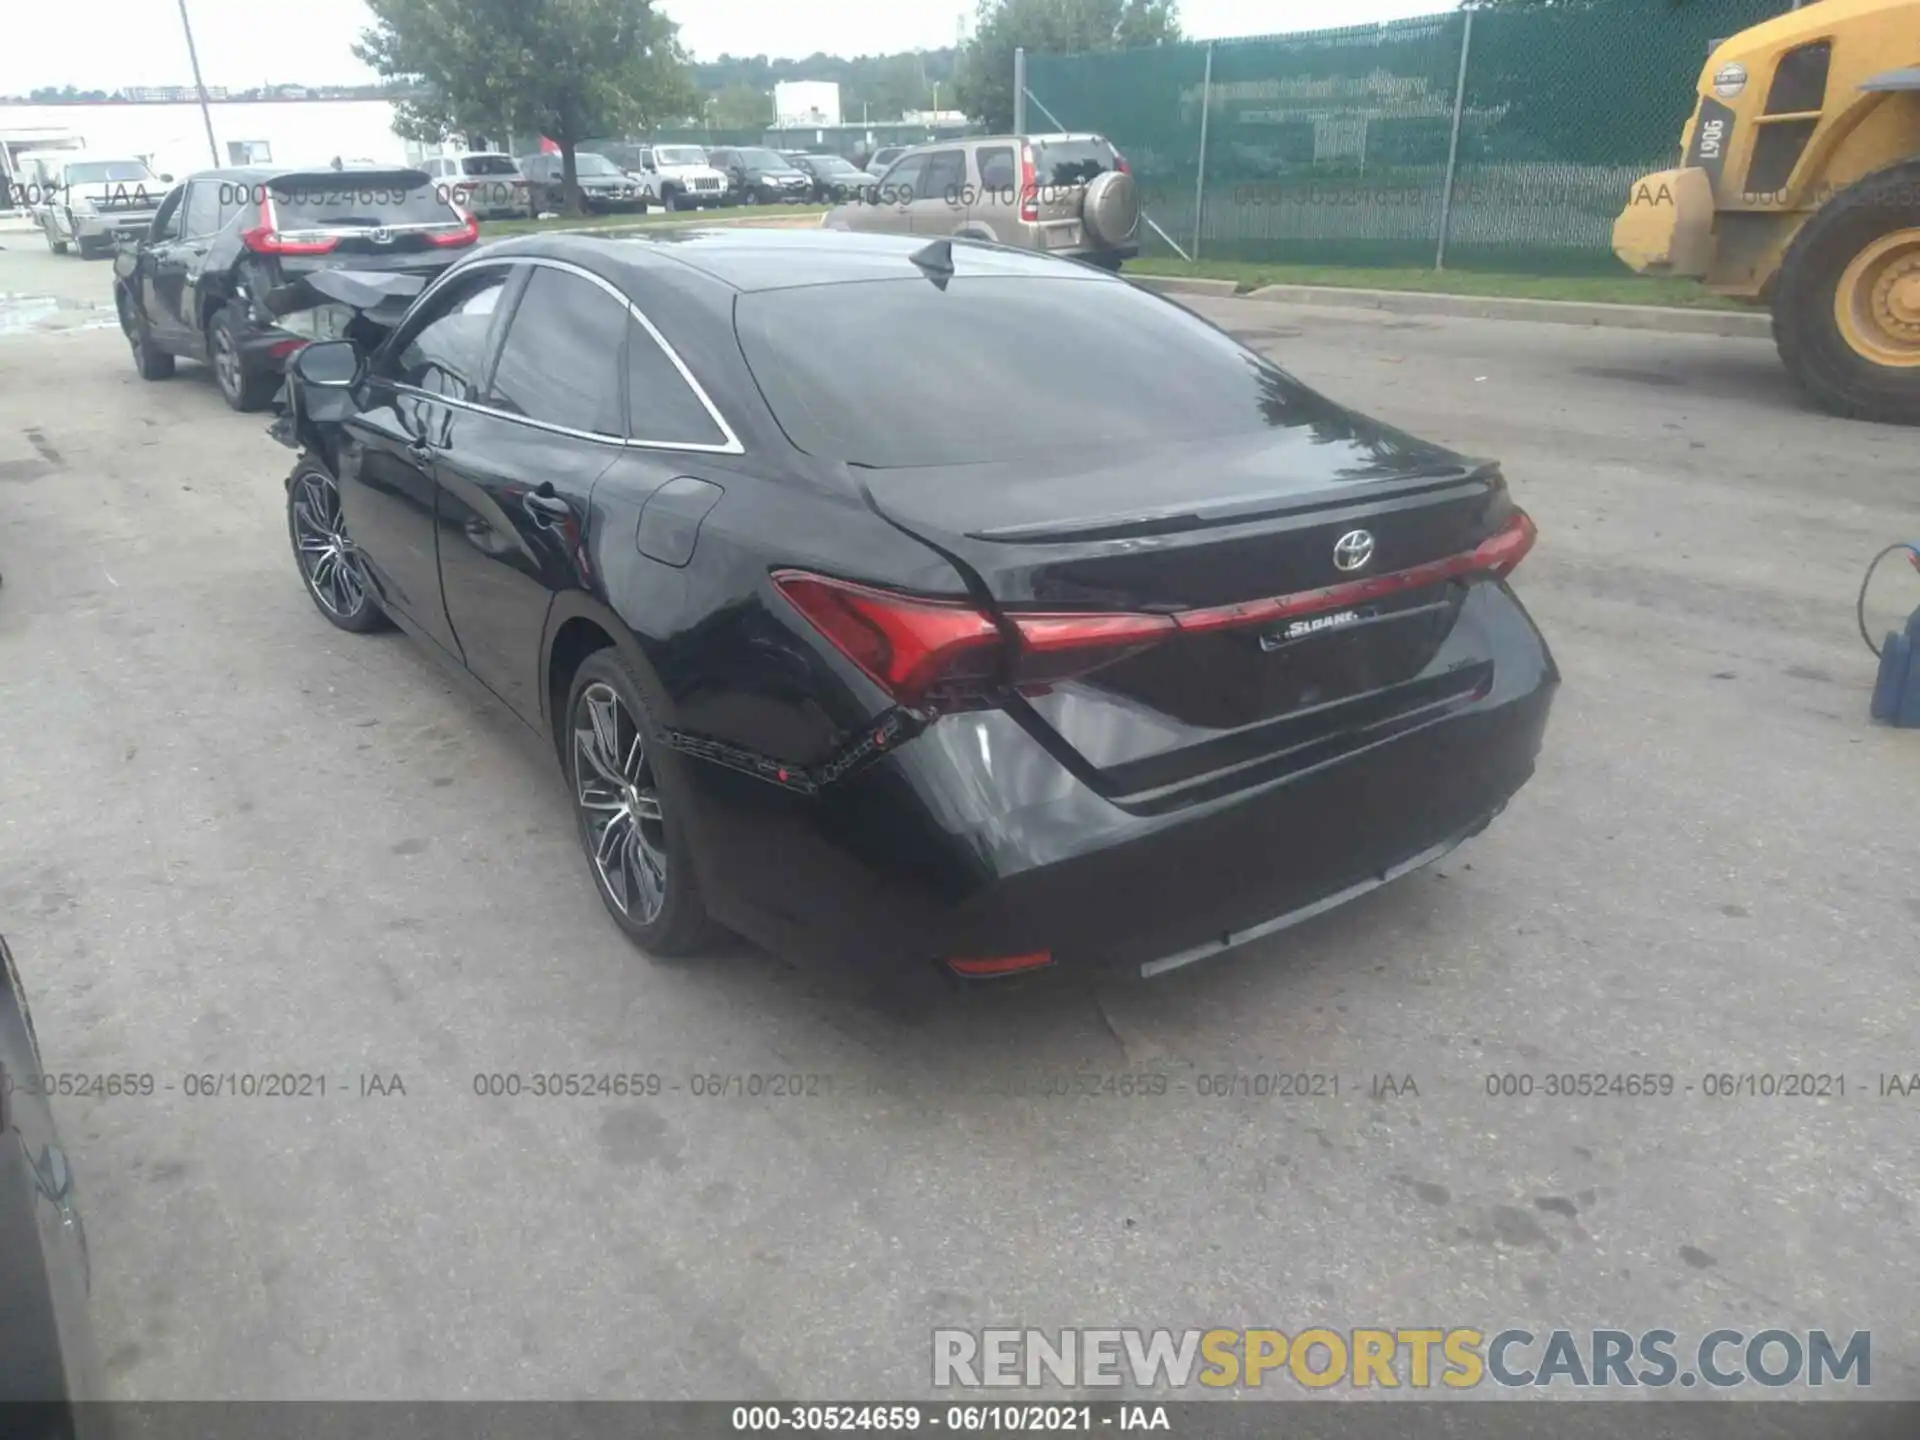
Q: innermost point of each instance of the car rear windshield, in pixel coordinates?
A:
(585, 162)
(765, 160)
(489, 165)
(313, 202)
(902, 373)
(1070, 162)
(679, 155)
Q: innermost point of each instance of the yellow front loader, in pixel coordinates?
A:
(1800, 189)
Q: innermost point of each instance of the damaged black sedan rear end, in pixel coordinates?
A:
(221, 274)
(1115, 647)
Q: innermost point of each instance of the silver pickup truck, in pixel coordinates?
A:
(86, 200)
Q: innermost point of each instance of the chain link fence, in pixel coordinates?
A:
(1336, 146)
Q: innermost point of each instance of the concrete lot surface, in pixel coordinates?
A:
(236, 841)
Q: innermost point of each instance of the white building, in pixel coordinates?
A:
(806, 102)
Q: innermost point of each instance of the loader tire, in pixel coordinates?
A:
(1846, 306)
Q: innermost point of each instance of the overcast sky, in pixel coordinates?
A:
(109, 44)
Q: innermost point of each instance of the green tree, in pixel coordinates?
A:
(741, 107)
(1050, 27)
(565, 69)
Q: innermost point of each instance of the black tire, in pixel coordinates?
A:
(245, 386)
(150, 362)
(58, 247)
(670, 198)
(335, 579)
(1806, 331)
(658, 906)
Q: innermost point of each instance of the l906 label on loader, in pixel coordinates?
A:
(1711, 137)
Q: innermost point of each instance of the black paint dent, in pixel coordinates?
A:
(670, 520)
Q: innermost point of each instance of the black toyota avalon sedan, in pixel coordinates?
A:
(933, 608)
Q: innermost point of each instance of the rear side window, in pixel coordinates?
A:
(489, 165)
(661, 406)
(203, 208)
(312, 203)
(560, 364)
(1070, 162)
(996, 168)
(445, 353)
(1013, 368)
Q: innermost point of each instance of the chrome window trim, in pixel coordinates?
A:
(730, 446)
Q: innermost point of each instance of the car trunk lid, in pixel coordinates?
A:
(1297, 592)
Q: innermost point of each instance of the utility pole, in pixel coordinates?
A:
(200, 88)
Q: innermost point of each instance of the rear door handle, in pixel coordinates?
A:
(419, 449)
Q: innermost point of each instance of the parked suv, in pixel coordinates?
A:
(487, 185)
(883, 157)
(218, 277)
(1067, 195)
(604, 186)
(759, 176)
(679, 177)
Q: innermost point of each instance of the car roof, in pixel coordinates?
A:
(747, 260)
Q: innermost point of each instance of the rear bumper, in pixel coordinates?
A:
(974, 842)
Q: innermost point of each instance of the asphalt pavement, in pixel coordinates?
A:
(236, 842)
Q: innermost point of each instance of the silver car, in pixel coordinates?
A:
(486, 184)
(1067, 195)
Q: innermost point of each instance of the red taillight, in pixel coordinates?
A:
(903, 643)
(266, 239)
(280, 349)
(1120, 163)
(1002, 965)
(465, 235)
(1029, 186)
(908, 644)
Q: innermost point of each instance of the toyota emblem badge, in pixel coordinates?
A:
(1353, 550)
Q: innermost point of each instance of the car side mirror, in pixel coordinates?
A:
(329, 364)
(166, 179)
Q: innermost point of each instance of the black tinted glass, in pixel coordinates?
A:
(488, 165)
(310, 203)
(446, 353)
(561, 361)
(946, 173)
(1070, 162)
(902, 373)
(997, 170)
(661, 406)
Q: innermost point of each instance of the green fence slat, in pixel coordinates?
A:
(1330, 146)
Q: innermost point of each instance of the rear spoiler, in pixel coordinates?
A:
(382, 296)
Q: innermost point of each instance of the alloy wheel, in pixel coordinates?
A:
(226, 362)
(327, 560)
(614, 788)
